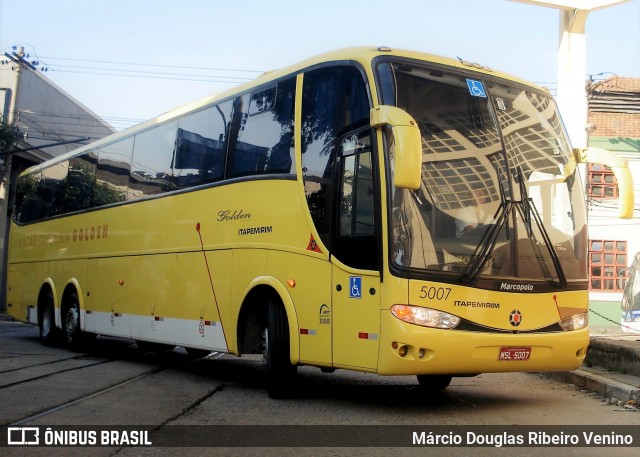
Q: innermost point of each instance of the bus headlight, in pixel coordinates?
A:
(575, 322)
(424, 316)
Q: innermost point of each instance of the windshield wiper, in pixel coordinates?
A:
(525, 203)
(490, 237)
(488, 241)
(528, 208)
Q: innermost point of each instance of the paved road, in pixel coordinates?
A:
(115, 383)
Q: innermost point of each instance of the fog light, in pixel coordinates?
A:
(403, 351)
(421, 353)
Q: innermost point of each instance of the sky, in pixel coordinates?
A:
(132, 60)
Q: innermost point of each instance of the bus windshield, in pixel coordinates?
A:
(497, 197)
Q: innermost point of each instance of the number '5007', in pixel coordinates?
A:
(435, 293)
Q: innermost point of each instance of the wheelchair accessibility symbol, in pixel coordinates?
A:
(355, 286)
(476, 89)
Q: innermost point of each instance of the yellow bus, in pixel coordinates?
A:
(376, 210)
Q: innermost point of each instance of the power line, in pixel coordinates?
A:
(143, 72)
(196, 78)
(186, 67)
(138, 70)
(31, 113)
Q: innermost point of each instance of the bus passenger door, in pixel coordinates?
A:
(355, 247)
(356, 317)
(336, 159)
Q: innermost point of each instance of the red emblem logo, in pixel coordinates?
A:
(515, 318)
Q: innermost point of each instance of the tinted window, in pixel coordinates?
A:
(80, 182)
(201, 144)
(153, 152)
(112, 173)
(256, 127)
(28, 203)
(265, 135)
(41, 195)
(262, 101)
(333, 100)
(52, 189)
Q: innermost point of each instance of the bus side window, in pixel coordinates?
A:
(28, 204)
(112, 173)
(80, 182)
(265, 138)
(152, 156)
(52, 188)
(201, 145)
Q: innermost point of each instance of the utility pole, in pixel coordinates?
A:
(572, 61)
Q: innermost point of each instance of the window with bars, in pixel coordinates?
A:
(607, 260)
(601, 182)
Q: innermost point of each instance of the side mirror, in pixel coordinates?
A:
(407, 152)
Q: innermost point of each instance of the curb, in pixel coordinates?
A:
(627, 392)
(611, 370)
(619, 354)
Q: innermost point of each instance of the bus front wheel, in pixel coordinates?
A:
(434, 383)
(281, 373)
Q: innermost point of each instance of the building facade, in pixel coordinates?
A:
(614, 124)
(44, 121)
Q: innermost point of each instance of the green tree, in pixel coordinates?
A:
(8, 137)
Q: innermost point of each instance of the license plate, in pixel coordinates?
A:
(514, 354)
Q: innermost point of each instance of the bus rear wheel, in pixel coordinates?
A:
(47, 320)
(281, 374)
(434, 383)
(74, 337)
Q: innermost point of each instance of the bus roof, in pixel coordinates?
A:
(363, 55)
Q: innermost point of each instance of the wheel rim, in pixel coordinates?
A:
(265, 346)
(46, 324)
(71, 323)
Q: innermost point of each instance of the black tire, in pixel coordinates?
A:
(71, 322)
(434, 383)
(281, 374)
(47, 319)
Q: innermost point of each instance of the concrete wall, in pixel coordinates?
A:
(605, 225)
(44, 114)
